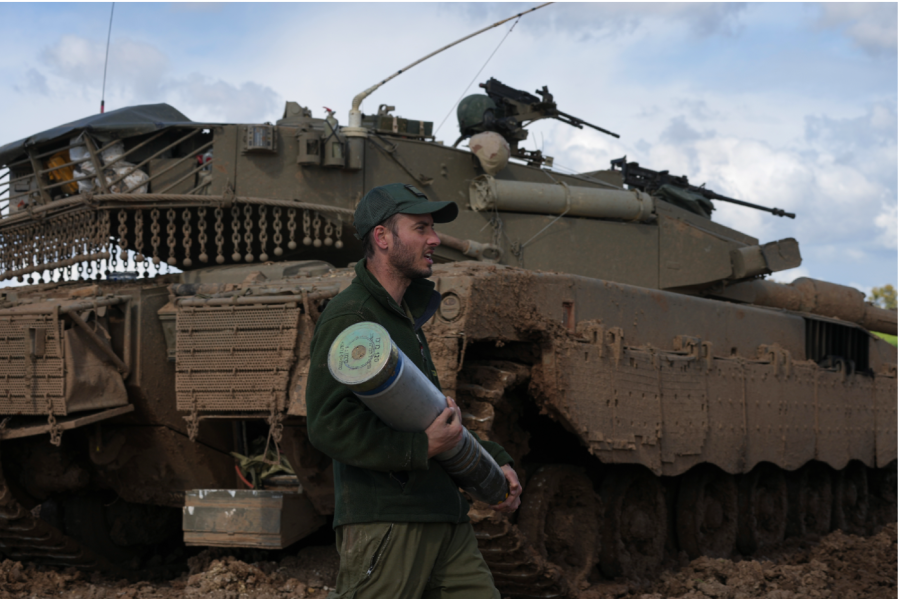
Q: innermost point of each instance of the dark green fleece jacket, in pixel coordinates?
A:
(380, 475)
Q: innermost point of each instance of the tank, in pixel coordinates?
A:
(658, 393)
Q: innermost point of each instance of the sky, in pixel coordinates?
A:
(786, 105)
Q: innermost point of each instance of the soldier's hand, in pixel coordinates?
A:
(513, 500)
(446, 430)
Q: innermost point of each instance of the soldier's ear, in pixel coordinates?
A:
(380, 235)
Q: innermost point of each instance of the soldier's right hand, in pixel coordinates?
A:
(446, 430)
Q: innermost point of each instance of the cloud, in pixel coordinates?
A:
(76, 59)
(224, 102)
(863, 150)
(886, 221)
(876, 127)
(698, 109)
(871, 26)
(134, 66)
(34, 83)
(615, 19)
(846, 216)
(835, 202)
(679, 132)
(140, 73)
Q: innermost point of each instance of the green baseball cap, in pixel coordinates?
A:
(382, 202)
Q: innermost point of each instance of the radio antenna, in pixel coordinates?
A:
(106, 62)
(355, 119)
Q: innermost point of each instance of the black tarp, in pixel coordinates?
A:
(116, 124)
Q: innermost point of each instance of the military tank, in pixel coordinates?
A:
(658, 393)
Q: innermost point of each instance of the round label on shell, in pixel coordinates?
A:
(360, 356)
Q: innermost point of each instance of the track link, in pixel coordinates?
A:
(25, 537)
(518, 569)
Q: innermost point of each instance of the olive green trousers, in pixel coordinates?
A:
(411, 560)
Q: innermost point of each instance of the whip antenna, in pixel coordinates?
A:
(355, 120)
(478, 74)
(106, 62)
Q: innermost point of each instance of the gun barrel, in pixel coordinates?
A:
(573, 120)
(775, 211)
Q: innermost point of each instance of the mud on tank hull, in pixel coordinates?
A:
(642, 422)
(647, 423)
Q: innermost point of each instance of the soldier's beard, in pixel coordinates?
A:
(403, 259)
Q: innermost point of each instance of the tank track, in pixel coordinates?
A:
(518, 570)
(522, 571)
(27, 538)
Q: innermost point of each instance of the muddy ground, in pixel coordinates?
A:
(838, 566)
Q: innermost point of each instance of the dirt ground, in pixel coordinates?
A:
(838, 566)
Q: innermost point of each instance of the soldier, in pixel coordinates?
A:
(401, 522)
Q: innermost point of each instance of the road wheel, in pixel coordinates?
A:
(810, 494)
(634, 523)
(707, 512)
(763, 508)
(85, 520)
(850, 498)
(558, 515)
(882, 489)
(128, 534)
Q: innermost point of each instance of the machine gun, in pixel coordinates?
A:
(650, 181)
(508, 111)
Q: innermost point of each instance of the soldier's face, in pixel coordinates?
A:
(411, 252)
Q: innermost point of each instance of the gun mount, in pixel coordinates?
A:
(678, 190)
(507, 111)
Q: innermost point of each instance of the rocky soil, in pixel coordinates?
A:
(838, 566)
(213, 574)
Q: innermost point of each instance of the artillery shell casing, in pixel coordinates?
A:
(365, 359)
